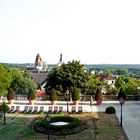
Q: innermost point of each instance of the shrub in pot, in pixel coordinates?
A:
(10, 96)
(98, 97)
(31, 97)
(76, 95)
(53, 96)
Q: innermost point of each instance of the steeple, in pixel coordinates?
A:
(38, 62)
(60, 60)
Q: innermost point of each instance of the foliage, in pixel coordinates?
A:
(75, 94)
(120, 82)
(67, 76)
(122, 94)
(31, 95)
(131, 85)
(5, 79)
(92, 85)
(22, 82)
(112, 91)
(4, 107)
(53, 95)
(98, 95)
(23, 85)
(10, 94)
(110, 110)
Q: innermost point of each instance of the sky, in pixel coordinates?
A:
(90, 31)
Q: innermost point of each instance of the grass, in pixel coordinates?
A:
(101, 126)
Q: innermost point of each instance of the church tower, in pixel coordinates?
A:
(38, 62)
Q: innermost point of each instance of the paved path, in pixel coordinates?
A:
(131, 117)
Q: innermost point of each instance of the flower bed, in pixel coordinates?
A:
(73, 126)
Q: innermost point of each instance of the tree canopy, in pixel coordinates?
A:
(15, 78)
(5, 78)
(68, 76)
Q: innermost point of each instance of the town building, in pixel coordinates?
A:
(39, 71)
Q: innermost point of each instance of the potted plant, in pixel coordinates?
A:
(53, 96)
(10, 96)
(122, 95)
(76, 95)
(31, 97)
(98, 97)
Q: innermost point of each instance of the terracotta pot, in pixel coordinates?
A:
(10, 102)
(53, 102)
(98, 102)
(75, 102)
(31, 102)
(123, 102)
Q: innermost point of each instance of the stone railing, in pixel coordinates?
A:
(82, 98)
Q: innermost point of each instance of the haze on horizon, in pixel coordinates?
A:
(94, 32)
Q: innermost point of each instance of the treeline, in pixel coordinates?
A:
(15, 78)
(129, 70)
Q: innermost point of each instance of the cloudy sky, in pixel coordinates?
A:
(92, 31)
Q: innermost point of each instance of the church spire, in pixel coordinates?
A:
(60, 60)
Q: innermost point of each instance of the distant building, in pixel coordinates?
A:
(39, 71)
(110, 80)
(39, 65)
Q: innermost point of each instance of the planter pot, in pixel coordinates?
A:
(75, 102)
(31, 102)
(53, 102)
(98, 102)
(10, 102)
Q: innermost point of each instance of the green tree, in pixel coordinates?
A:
(131, 85)
(92, 85)
(23, 85)
(119, 82)
(68, 75)
(4, 108)
(5, 79)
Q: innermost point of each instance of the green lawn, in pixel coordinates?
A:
(104, 127)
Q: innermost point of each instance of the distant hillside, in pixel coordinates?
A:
(112, 66)
(89, 66)
(23, 65)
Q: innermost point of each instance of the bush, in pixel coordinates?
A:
(75, 126)
(4, 107)
(110, 110)
(98, 95)
(53, 95)
(76, 94)
(10, 94)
